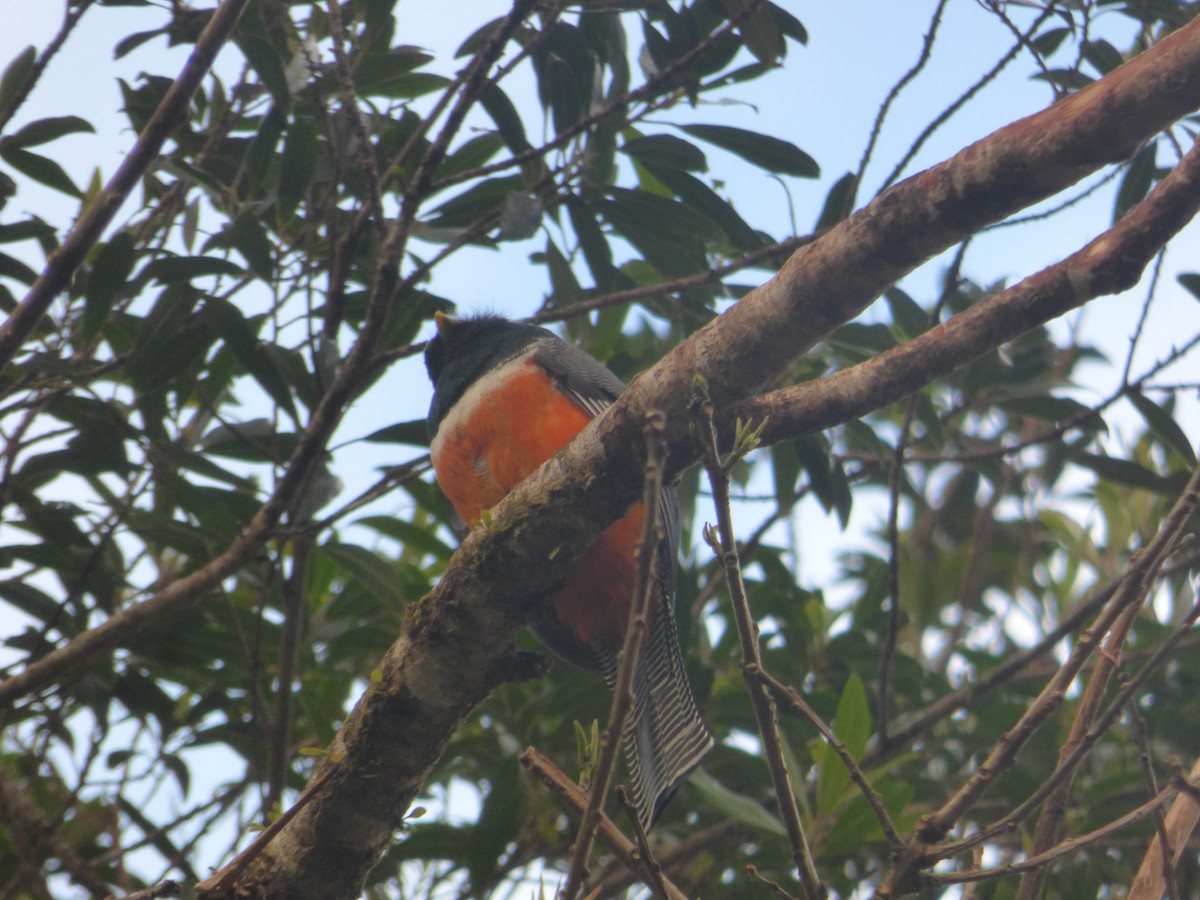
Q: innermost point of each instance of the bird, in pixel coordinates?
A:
(507, 396)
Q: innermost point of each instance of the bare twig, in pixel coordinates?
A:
(1066, 848)
(1142, 569)
(608, 833)
(945, 115)
(653, 869)
(1135, 586)
(765, 712)
(295, 591)
(935, 22)
(636, 632)
(793, 699)
(1162, 837)
(1049, 827)
(1152, 879)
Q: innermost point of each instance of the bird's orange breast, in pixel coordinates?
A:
(503, 427)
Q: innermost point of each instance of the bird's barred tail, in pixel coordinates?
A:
(664, 737)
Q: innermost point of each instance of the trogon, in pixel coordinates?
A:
(507, 397)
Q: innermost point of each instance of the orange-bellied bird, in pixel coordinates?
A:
(506, 398)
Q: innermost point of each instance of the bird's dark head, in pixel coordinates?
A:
(464, 350)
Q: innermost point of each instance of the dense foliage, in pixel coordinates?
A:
(319, 180)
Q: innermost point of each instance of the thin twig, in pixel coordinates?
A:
(653, 869)
(225, 880)
(974, 89)
(877, 128)
(793, 699)
(1066, 848)
(765, 712)
(295, 592)
(1162, 836)
(895, 477)
(1049, 827)
(1079, 749)
(35, 840)
(636, 633)
(608, 833)
(1152, 879)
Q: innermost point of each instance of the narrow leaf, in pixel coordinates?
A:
(1164, 426)
(45, 130)
(762, 150)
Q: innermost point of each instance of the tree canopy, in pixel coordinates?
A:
(223, 667)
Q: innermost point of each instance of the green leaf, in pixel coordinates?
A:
(1050, 40)
(367, 568)
(1102, 55)
(247, 235)
(735, 805)
(671, 236)
(166, 343)
(264, 148)
(377, 72)
(504, 114)
(40, 169)
(242, 338)
(33, 228)
(414, 432)
(499, 819)
(262, 56)
(563, 283)
(15, 73)
(45, 130)
(852, 726)
(764, 151)
(1045, 407)
(1164, 426)
(255, 440)
(175, 269)
(787, 23)
(835, 209)
(694, 193)
(758, 29)
(1138, 179)
(785, 467)
(1125, 472)
(109, 273)
(667, 151)
(472, 154)
(594, 244)
(11, 267)
(1190, 281)
(30, 600)
(297, 165)
(910, 319)
(413, 85)
(417, 536)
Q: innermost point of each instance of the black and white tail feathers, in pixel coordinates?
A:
(664, 737)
